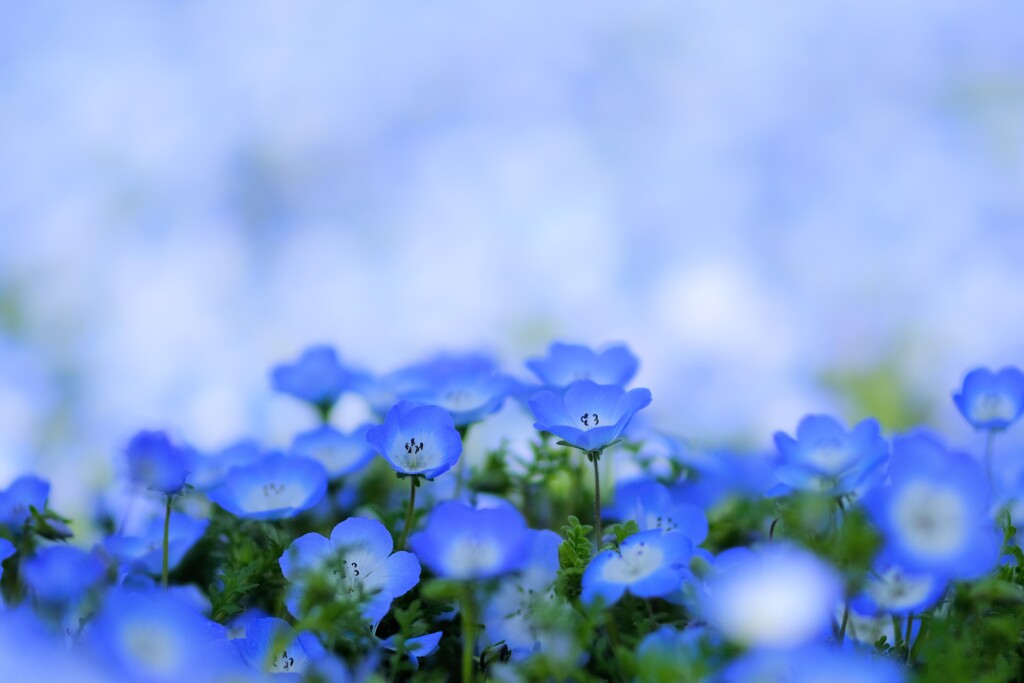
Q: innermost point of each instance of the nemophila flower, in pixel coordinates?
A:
(417, 440)
(463, 543)
(568, 363)
(355, 564)
(587, 416)
(271, 645)
(893, 589)
(779, 597)
(812, 664)
(420, 646)
(7, 549)
(276, 487)
(211, 469)
(651, 506)
(933, 513)
(339, 453)
(992, 400)
(649, 564)
(509, 613)
(62, 573)
(825, 457)
(468, 386)
(152, 637)
(145, 552)
(18, 499)
(156, 463)
(317, 377)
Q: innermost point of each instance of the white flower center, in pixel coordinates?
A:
(633, 563)
(470, 556)
(273, 496)
(992, 406)
(932, 519)
(894, 590)
(151, 645)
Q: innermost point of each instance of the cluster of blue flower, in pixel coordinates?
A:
(305, 577)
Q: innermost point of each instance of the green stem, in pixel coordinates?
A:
(897, 630)
(906, 639)
(408, 513)
(460, 467)
(989, 443)
(846, 620)
(167, 533)
(594, 457)
(468, 633)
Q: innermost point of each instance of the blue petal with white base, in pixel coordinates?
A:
(339, 453)
(463, 543)
(992, 400)
(651, 506)
(588, 416)
(276, 487)
(270, 645)
(568, 363)
(649, 564)
(317, 377)
(826, 458)
(417, 440)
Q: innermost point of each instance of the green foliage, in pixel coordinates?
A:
(574, 554)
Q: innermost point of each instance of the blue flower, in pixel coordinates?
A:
(468, 386)
(826, 458)
(152, 637)
(417, 440)
(991, 400)
(893, 589)
(356, 562)
(145, 553)
(588, 416)
(568, 363)
(649, 564)
(811, 664)
(934, 511)
(61, 573)
(271, 645)
(463, 543)
(420, 646)
(651, 506)
(339, 453)
(20, 497)
(7, 549)
(777, 598)
(210, 470)
(317, 377)
(276, 487)
(156, 463)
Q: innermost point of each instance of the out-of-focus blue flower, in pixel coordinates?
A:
(825, 457)
(649, 564)
(62, 573)
(587, 416)
(339, 453)
(509, 614)
(17, 500)
(156, 463)
(145, 552)
(463, 543)
(812, 664)
(152, 637)
(7, 549)
(210, 470)
(420, 646)
(992, 400)
(468, 386)
(891, 588)
(276, 487)
(651, 506)
(270, 645)
(568, 363)
(933, 513)
(417, 440)
(317, 377)
(356, 561)
(779, 597)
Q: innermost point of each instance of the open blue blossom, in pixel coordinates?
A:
(152, 637)
(156, 463)
(468, 386)
(890, 588)
(778, 598)
(276, 487)
(933, 513)
(211, 469)
(339, 453)
(356, 563)
(812, 664)
(463, 543)
(18, 499)
(317, 377)
(587, 416)
(826, 458)
(992, 400)
(417, 440)
(145, 552)
(62, 573)
(420, 646)
(568, 363)
(271, 646)
(651, 506)
(649, 564)
(7, 549)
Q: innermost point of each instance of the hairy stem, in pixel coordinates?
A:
(468, 633)
(597, 499)
(408, 514)
(167, 533)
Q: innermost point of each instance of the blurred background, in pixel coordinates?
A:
(781, 207)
